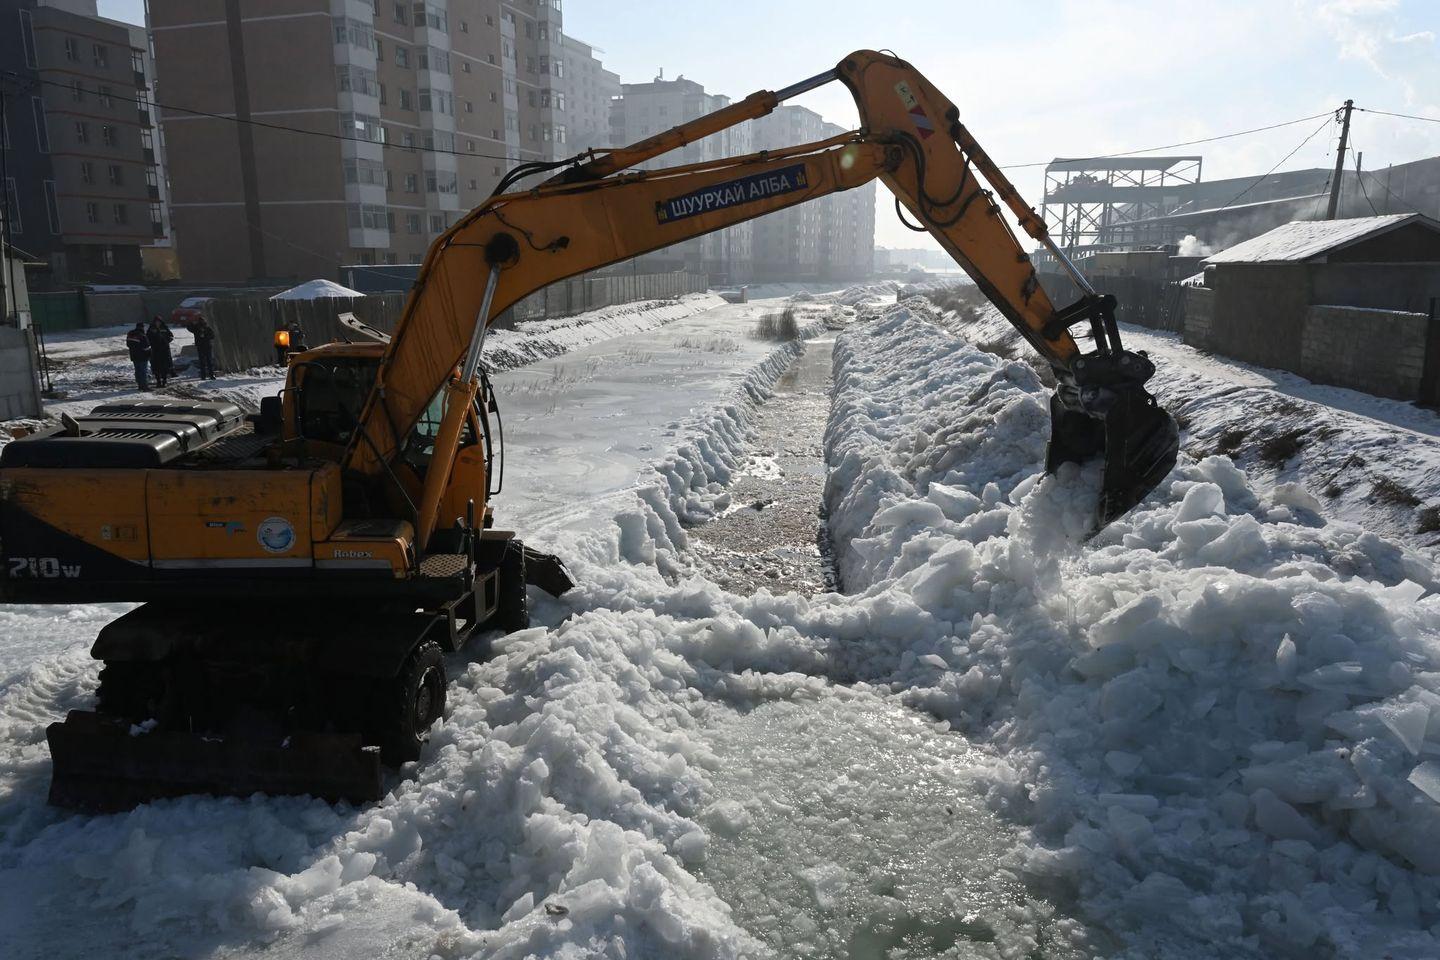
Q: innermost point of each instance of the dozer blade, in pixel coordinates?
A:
(1105, 411)
(101, 767)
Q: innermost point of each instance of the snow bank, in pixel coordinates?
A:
(316, 290)
(539, 339)
(1221, 713)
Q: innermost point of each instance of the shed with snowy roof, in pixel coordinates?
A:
(1338, 301)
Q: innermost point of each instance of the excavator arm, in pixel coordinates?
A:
(600, 210)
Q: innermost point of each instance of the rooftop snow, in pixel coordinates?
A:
(316, 290)
(1303, 240)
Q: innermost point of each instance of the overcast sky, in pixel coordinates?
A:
(1050, 78)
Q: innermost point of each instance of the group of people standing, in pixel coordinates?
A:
(150, 351)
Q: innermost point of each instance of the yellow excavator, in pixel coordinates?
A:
(302, 571)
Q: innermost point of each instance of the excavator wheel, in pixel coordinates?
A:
(414, 700)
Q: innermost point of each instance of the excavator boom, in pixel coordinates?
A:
(601, 210)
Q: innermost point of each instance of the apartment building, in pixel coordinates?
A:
(828, 239)
(647, 108)
(87, 184)
(591, 88)
(307, 134)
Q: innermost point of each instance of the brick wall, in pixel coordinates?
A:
(1199, 316)
(1260, 312)
(1377, 351)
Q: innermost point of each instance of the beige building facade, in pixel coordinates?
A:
(304, 135)
(92, 106)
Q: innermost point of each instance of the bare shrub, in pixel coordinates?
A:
(1385, 490)
(778, 326)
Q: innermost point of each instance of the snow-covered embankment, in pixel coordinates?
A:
(1221, 715)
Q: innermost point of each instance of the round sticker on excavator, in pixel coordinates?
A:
(275, 534)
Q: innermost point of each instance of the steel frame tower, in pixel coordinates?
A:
(1089, 201)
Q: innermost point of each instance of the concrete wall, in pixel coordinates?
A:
(1383, 286)
(1260, 312)
(1199, 316)
(1377, 351)
(19, 391)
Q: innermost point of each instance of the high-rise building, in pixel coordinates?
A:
(828, 239)
(85, 177)
(307, 134)
(590, 89)
(648, 108)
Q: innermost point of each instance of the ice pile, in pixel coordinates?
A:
(537, 339)
(1223, 713)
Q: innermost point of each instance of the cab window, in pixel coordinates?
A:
(420, 444)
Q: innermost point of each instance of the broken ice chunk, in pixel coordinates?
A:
(1408, 722)
(1201, 501)
(1280, 820)
(1286, 658)
(1426, 778)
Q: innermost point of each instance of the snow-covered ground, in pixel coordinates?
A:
(1367, 459)
(1208, 732)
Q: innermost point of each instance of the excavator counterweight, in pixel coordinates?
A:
(341, 541)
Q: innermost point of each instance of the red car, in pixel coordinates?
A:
(188, 311)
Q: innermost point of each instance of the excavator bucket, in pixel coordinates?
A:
(103, 764)
(1104, 411)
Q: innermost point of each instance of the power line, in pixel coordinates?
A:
(1329, 118)
(383, 144)
(1406, 116)
(1170, 146)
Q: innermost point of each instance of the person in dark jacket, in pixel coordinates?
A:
(160, 336)
(297, 338)
(139, 346)
(205, 347)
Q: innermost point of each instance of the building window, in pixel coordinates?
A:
(42, 135)
(399, 13)
(107, 256)
(470, 145)
(82, 131)
(87, 172)
(412, 223)
(27, 38)
(100, 55)
(389, 180)
(412, 183)
(12, 206)
(77, 92)
(72, 49)
(437, 222)
(382, 94)
(559, 133)
(390, 220)
(52, 207)
(402, 56)
(92, 212)
(117, 175)
(137, 62)
(120, 213)
(354, 32)
(379, 51)
(490, 58)
(405, 99)
(109, 134)
(106, 99)
(464, 26)
(407, 140)
(472, 184)
(470, 107)
(464, 66)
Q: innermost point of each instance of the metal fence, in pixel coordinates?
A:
(245, 328)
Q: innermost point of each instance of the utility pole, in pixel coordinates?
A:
(1339, 174)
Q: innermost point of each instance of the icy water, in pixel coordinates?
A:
(774, 535)
(849, 827)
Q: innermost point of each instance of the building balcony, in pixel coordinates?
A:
(144, 117)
